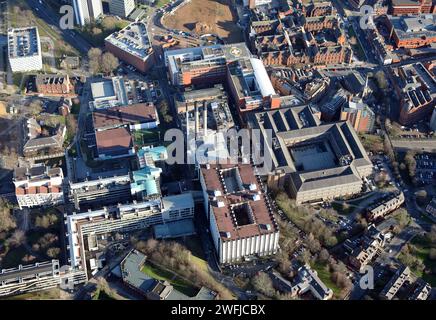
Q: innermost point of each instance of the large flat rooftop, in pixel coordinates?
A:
(23, 42)
(130, 114)
(132, 39)
(237, 201)
(410, 27)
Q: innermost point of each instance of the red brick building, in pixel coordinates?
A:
(53, 84)
(405, 7)
(412, 31)
(132, 45)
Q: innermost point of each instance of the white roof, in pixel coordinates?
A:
(262, 78)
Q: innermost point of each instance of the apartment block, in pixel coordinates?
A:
(122, 8)
(83, 227)
(412, 31)
(385, 206)
(24, 49)
(401, 276)
(241, 224)
(87, 10)
(38, 186)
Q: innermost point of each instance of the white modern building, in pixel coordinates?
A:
(256, 3)
(433, 120)
(38, 186)
(24, 49)
(82, 228)
(108, 93)
(121, 8)
(87, 10)
(240, 222)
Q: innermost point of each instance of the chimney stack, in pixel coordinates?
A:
(187, 121)
(197, 121)
(205, 117)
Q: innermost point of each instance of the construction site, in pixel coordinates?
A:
(206, 17)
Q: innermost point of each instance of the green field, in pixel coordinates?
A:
(145, 137)
(325, 275)
(178, 283)
(161, 3)
(422, 253)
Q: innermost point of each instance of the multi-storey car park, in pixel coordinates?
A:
(38, 186)
(132, 45)
(320, 161)
(24, 49)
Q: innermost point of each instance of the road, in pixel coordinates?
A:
(52, 18)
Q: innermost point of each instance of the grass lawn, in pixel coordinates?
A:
(372, 142)
(102, 295)
(325, 276)
(178, 283)
(161, 3)
(422, 253)
(49, 294)
(145, 137)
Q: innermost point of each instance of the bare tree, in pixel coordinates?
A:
(35, 108)
(53, 252)
(263, 283)
(109, 62)
(7, 221)
(94, 56)
(323, 255)
(17, 238)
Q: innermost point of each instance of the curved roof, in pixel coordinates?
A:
(262, 78)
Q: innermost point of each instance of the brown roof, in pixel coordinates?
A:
(113, 141)
(131, 114)
(261, 214)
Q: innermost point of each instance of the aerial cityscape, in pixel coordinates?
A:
(192, 150)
